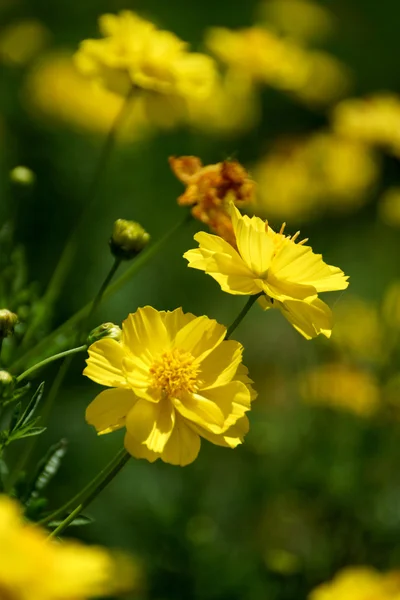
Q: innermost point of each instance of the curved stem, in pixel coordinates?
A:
(49, 360)
(68, 254)
(92, 489)
(143, 258)
(242, 314)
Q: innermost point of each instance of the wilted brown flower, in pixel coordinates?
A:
(210, 189)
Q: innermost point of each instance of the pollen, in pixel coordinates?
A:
(175, 373)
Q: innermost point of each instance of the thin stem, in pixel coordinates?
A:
(62, 269)
(242, 314)
(49, 360)
(93, 488)
(62, 526)
(143, 258)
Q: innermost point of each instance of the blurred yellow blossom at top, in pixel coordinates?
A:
(314, 77)
(307, 177)
(211, 188)
(21, 41)
(302, 19)
(54, 88)
(173, 379)
(360, 583)
(135, 57)
(374, 120)
(341, 386)
(288, 275)
(232, 107)
(32, 567)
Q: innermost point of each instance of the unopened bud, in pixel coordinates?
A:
(22, 176)
(106, 330)
(7, 384)
(128, 239)
(8, 321)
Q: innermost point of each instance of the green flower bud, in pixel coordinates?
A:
(106, 330)
(128, 239)
(7, 384)
(22, 176)
(8, 321)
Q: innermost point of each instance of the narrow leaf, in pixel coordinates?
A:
(32, 405)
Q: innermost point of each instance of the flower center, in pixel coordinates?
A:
(174, 373)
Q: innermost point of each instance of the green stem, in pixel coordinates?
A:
(242, 314)
(49, 360)
(68, 254)
(91, 490)
(143, 258)
(62, 526)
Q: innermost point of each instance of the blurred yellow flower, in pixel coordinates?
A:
(289, 275)
(374, 120)
(360, 583)
(233, 107)
(314, 77)
(32, 567)
(210, 189)
(21, 41)
(358, 330)
(304, 178)
(136, 57)
(55, 88)
(389, 207)
(302, 19)
(174, 379)
(341, 386)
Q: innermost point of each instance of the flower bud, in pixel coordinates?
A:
(7, 384)
(106, 330)
(128, 239)
(8, 321)
(22, 176)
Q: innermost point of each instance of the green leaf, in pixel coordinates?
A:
(32, 405)
(80, 520)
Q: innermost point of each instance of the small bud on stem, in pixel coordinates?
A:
(128, 239)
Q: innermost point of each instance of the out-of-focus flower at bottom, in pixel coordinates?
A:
(32, 567)
(55, 89)
(305, 178)
(21, 41)
(340, 386)
(232, 108)
(389, 207)
(360, 583)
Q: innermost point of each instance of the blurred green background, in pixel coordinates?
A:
(314, 487)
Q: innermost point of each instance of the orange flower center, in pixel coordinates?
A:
(174, 373)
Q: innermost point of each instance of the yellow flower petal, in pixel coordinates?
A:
(139, 450)
(174, 320)
(144, 333)
(220, 366)
(104, 364)
(217, 254)
(183, 446)
(151, 424)
(200, 337)
(299, 264)
(231, 438)
(233, 399)
(310, 319)
(197, 409)
(255, 247)
(108, 410)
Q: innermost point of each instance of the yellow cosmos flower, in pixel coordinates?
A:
(360, 583)
(135, 54)
(174, 379)
(34, 568)
(289, 275)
